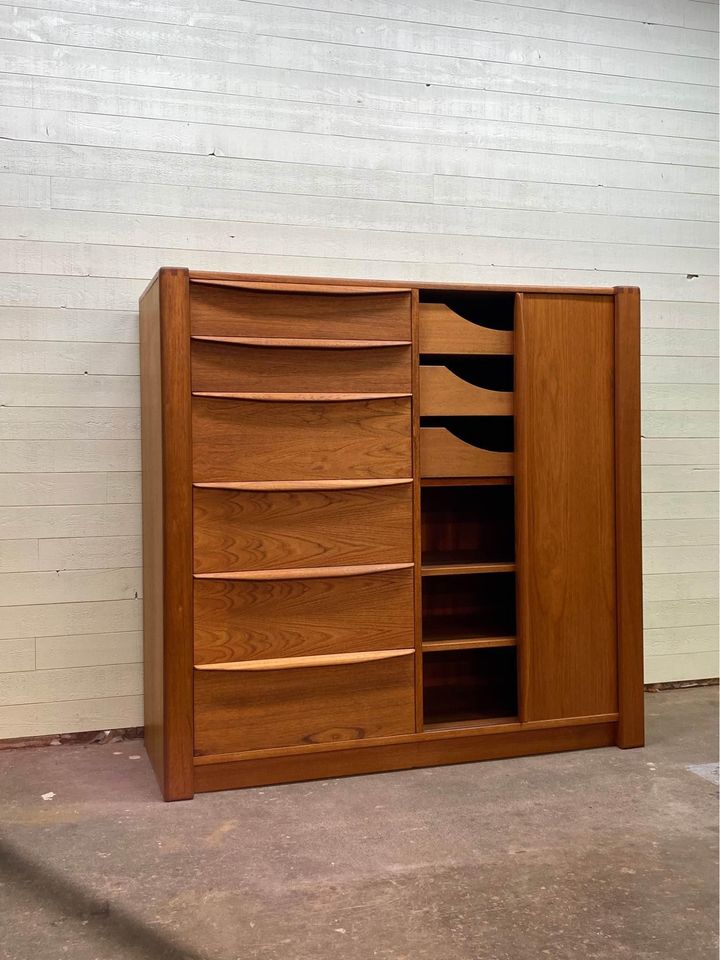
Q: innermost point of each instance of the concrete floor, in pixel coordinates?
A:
(604, 854)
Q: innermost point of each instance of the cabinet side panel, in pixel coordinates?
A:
(631, 727)
(565, 503)
(152, 524)
(177, 533)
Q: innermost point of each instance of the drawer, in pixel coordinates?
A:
(299, 311)
(265, 440)
(255, 529)
(442, 454)
(444, 331)
(443, 393)
(233, 367)
(239, 710)
(297, 613)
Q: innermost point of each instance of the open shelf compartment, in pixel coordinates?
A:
(469, 686)
(468, 606)
(465, 526)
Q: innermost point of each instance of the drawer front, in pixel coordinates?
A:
(265, 619)
(255, 440)
(443, 393)
(237, 711)
(275, 529)
(223, 367)
(274, 310)
(442, 454)
(444, 331)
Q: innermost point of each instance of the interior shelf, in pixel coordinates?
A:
(438, 565)
(449, 629)
(462, 686)
(471, 643)
(466, 481)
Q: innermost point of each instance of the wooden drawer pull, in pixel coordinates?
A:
(305, 573)
(290, 663)
(302, 397)
(276, 287)
(285, 485)
(305, 343)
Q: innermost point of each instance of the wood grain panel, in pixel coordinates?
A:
(443, 393)
(252, 530)
(327, 704)
(246, 440)
(444, 331)
(226, 367)
(224, 311)
(444, 455)
(262, 619)
(565, 505)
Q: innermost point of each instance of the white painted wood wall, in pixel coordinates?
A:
(525, 141)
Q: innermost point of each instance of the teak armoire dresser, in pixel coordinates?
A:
(386, 525)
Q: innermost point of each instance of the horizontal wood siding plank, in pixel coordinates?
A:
(679, 532)
(680, 423)
(88, 650)
(67, 586)
(681, 586)
(680, 559)
(69, 423)
(71, 716)
(63, 619)
(69, 520)
(17, 655)
(667, 506)
(47, 686)
(680, 613)
(23, 456)
(685, 665)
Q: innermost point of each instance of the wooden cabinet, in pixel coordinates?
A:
(386, 525)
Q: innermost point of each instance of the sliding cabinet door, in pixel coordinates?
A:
(565, 503)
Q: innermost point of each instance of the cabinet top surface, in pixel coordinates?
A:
(395, 285)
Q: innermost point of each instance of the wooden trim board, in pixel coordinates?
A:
(422, 751)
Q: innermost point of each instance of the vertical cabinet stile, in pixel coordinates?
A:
(631, 726)
(417, 532)
(520, 503)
